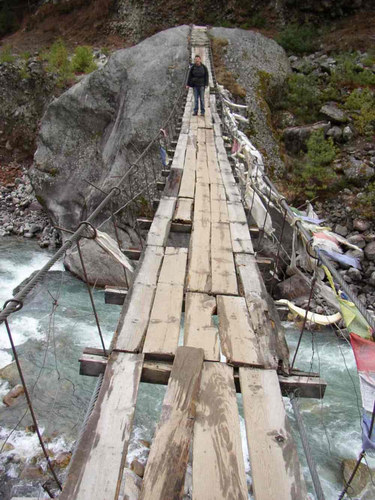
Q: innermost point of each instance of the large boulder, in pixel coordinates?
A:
(96, 130)
(261, 67)
(333, 113)
(295, 138)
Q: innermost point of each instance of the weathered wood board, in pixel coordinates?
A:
(174, 266)
(219, 210)
(187, 186)
(202, 205)
(184, 210)
(199, 267)
(149, 266)
(236, 213)
(218, 465)
(237, 338)
(164, 326)
(199, 330)
(224, 279)
(271, 339)
(133, 324)
(241, 240)
(275, 467)
(166, 465)
(159, 230)
(97, 467)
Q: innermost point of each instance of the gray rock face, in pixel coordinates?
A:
(96, 128)
(248, 54)
(332, 112)
(295, 138)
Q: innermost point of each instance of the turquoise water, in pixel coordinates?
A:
(50, 341)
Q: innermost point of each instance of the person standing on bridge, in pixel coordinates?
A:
(198, 80)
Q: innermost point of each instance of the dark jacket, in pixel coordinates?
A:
(198, 76)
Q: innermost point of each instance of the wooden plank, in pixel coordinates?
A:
(219, 210)
(275, 467)
(236, 213)
(133, 323)
(184, 210)
(164, 327)
(174, 266)
(187, 186)
(201, 171)
(202, 204)
(97, 466)
(199, 330)
(263, 315)
(172, 185)
(166, 465)
(218, 465)
(115, 295)
(92, 365)
(199, 267)
(241, 240)
(149, 266)
(237, 339)
(132, 253)
(224, 279)
(179, 155)
(159, 230)
(158, 372)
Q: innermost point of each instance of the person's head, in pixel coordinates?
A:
(197, 60)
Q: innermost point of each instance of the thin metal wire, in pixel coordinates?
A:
(91, 297)
(30, 405)
(306, 446)
(304, 320)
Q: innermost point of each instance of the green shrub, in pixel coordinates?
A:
(83, 61)
(361, 104)
(6, 55)
(369, 59)
(58, 62)
(316, 173)
(302, 97)
(299, 39)
(258, 21)
(349, 72)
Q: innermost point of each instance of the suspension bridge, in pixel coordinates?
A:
(198, 260)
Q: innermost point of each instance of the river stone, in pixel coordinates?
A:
(137, 468)
(372, 279)
(341, 230)
(132, 485)
(358, 240)
(360, 480)
(295, 138)
(361, 225)
(333, 113)
(31, 472)
(292, 288)
(358, 171)
(335, 132)
(354, 274)
(347, 133)
(370, 250)
(11, 397)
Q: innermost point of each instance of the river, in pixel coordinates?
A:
(57, 323)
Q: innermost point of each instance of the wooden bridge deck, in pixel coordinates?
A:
(216, 275)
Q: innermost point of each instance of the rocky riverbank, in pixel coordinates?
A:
(22, 215)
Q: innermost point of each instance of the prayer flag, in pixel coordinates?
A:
(364, 353)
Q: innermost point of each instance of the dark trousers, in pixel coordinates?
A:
(198, 96)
